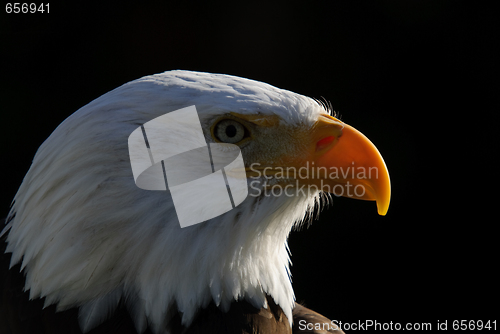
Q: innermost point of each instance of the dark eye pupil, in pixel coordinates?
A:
(231, 131)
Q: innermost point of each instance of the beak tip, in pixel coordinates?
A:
(382, 207)
(382, 212)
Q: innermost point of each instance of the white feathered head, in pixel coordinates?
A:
(88, 236)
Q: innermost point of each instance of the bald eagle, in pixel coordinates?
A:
(85, 250)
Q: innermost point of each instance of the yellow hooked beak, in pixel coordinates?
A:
(348, 164)
(333, 157)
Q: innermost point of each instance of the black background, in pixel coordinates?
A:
(419, 78)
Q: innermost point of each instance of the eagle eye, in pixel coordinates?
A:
(230, 131)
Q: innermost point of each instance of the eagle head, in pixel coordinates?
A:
(87, 236)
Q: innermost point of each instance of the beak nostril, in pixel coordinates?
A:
(321, 144)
